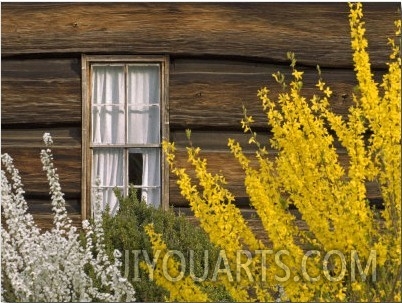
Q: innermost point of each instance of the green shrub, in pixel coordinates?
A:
(125, 232)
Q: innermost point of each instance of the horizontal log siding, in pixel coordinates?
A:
(40, 92)
(24, 145)
(66, 160)
(221, 54)
(210, 93)
(204, 94)
(41, 95)
(214, 148)
(207, 96)
(316, 32)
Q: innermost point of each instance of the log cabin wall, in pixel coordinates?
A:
(220, 55)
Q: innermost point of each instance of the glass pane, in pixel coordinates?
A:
(143, 104)
(107, 165)
(108, 104)
(152, 196)
(108, 124)
(135, 168)
(108, 84)
(143, 84)
(145, 172)
(144, 125)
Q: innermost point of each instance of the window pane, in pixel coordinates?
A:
(107, 84)
(108, 98)
(152, 196)
(143, 104)
(108, 124)
(143, 125)
(108, 167)
(125, 109)
(135, 168)
(144, 165)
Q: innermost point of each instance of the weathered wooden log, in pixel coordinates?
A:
(316, 32)
(41, 92)
(25, 146)
(210, 93)
(214, 148)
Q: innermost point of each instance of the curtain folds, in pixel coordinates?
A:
(125, 110)
(108, 166)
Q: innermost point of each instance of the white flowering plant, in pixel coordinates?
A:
(53, 266)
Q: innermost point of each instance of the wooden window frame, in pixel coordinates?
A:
(86, 61)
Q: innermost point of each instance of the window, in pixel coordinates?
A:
(124, 115)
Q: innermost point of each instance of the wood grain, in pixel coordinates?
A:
(42, 205)
(63, 137)
(40, 92)
(220, 55)
(45, 221)
(316, 32)
(210, 93)
(25, 146)
(214, 149)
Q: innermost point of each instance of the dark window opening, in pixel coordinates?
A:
(135, 169)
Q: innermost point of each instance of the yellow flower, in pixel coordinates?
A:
(320, 85)
(306, 172)
(328, 92)
(182, 290)
(341, 295)
(297, 74)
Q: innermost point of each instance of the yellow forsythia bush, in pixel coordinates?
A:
(350, 251)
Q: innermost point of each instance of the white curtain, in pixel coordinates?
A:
(109, 119)
(143, 105)
(108, 166)
(108, 105)
(144, 124)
